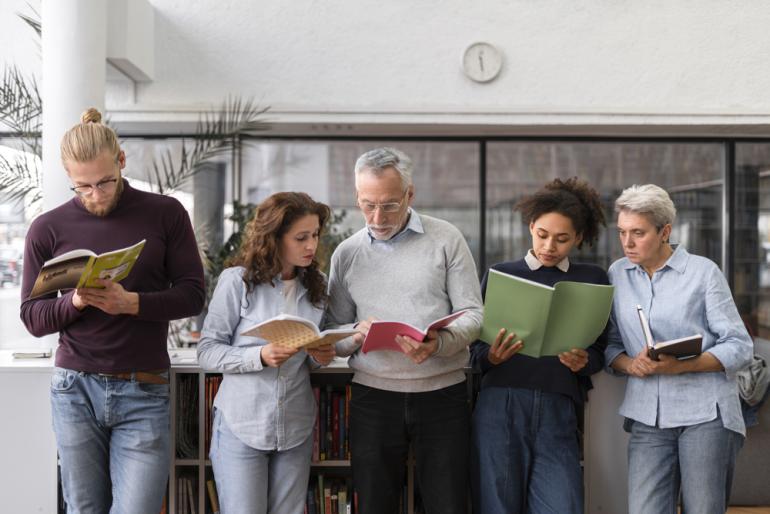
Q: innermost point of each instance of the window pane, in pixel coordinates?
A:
(15, 216)
(445, 177)
(205, 194)
(752, 237)
(691, 173)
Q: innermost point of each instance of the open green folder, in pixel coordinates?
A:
(549, 320)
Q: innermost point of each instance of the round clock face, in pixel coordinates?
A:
(482, 62)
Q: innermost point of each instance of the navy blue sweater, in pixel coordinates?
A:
(545, 373)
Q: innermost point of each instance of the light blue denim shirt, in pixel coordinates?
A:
(688, 295)
(266, 408)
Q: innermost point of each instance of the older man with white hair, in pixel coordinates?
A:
(413, 268)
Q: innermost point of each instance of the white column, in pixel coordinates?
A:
(74, 45)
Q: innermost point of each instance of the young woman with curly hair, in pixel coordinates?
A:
(264, 410)
(524, 449)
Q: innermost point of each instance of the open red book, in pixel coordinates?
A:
(382, 334)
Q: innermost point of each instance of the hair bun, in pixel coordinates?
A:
(92, 115)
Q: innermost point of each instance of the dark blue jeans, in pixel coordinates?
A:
(525, 456)
(384, 423)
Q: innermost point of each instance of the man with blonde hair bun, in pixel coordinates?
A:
(110, 391)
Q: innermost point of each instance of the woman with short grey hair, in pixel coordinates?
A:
(684, 416)
(648, 199)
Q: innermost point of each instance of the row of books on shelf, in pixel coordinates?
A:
(330, 496)
(186, 497)
(330, 433)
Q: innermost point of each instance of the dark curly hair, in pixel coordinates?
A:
(572, 198)
(259, 252)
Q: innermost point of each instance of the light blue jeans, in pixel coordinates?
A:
(697, 459)
(113, 441)
(252, 481)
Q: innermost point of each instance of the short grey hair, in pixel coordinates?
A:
(377, 160)
(648, 200)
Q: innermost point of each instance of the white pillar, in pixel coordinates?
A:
(74, 45)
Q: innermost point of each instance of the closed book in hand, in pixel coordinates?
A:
(681, 348)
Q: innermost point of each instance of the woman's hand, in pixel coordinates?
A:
(575, 359)
(323, 355)
(274, 355)
(503, 348)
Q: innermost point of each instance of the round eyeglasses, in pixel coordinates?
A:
(105, 186)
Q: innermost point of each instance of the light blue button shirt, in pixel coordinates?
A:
(688, 295)
(414, 224)
(267, 408)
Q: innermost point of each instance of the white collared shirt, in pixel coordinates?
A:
(535, 264)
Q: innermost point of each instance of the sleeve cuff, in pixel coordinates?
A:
(439, 345)
(726, 358)
(609, 356)
(252, 357)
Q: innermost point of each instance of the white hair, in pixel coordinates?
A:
(377, 160)
(648, 200)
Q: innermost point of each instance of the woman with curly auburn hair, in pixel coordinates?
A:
(525, 455)
(264, 410)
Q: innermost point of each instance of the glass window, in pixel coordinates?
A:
(691, 173)
(446, 177)
(752, 237)
(206, 195)
(15, 216)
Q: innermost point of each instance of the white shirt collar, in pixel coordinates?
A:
(535, 264)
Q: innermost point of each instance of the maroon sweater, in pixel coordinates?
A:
(168, 277)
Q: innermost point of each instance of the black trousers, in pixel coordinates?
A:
(382, 426)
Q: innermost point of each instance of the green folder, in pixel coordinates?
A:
(549, 320)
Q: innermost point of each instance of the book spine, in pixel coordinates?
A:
(328, 500)
(211, 488)
(335, 426)
(342, 427)
(321, 420)
(329, 441)
(316, 425)
(321, 503)
(348, 395)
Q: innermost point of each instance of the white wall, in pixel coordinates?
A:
(566, 62)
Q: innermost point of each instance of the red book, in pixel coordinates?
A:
(382, 334)
(336, 426)
(348, 394)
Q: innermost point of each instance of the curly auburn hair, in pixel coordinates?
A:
(260, 251)
(572, 198)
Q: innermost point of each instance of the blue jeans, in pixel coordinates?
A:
(113, 441)
(525, 456)
(252, 481)
(697, 459)
(382, 426)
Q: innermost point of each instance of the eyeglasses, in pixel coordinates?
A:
(388, 208)
(105, 186)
